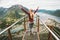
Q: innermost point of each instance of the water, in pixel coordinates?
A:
(45, 16)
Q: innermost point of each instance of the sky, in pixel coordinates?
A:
(32, 4)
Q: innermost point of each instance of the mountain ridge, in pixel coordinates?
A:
(51, 12)
(3, 11)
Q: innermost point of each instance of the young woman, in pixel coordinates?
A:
(30, 14)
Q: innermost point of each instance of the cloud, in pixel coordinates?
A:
(43, 4)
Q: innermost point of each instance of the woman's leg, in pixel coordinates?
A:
(31, 26)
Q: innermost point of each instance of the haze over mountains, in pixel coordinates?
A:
(12, 14)
(51, 12)
(4, 11)
(10, 11)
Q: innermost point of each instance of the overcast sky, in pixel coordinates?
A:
(43, 4)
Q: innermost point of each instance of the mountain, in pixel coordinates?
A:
(14, 13)
(56, 13)
(15, 10)
(11, 15)
(51, 12)
(2, 11)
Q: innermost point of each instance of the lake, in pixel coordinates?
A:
(45, 16)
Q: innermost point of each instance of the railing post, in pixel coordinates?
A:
(50, 35)
(24, 28)
(24, 25)
(38, 24)
(37, 20)
(9, 34)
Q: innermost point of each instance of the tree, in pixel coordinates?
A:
(3, 24)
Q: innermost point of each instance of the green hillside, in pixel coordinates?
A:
(12, 15)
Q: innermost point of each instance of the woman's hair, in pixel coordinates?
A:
(31, 10)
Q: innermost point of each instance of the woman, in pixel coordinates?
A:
(30, 14)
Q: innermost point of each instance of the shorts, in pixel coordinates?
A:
(31, 25)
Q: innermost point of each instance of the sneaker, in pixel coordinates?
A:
(31, 33)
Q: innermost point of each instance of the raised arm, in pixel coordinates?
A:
(24, 10)
(36, 10)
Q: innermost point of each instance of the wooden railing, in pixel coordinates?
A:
(9, 27)
(48, 27)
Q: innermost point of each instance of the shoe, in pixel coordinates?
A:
(31, 33)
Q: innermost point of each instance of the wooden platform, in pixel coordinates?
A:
(28, 36)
